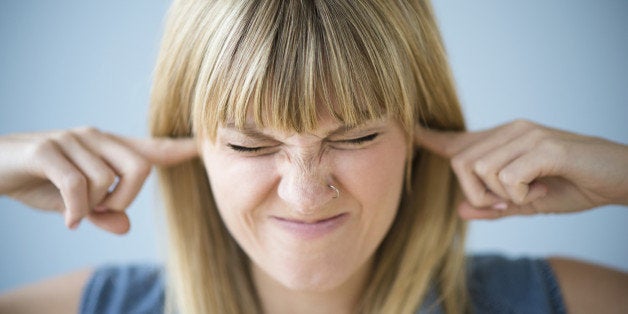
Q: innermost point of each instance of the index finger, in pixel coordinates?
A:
(445, 143)
(163, 151)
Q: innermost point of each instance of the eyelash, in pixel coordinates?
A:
(244, 149)
(355, 141)
(361, 140)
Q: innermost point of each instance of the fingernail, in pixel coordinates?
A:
(500, 206)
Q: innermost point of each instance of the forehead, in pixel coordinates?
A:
(324, 128)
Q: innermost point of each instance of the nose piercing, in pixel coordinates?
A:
(335, 189)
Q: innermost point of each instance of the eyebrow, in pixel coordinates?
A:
(251, 131)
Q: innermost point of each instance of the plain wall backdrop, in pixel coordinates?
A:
(70, 63)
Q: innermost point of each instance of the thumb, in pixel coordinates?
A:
(164, 151)
(111, 221)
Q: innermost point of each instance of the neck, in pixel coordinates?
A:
(278, 299)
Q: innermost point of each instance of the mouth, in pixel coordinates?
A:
(311, 229)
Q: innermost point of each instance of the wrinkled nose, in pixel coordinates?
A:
(306, 190)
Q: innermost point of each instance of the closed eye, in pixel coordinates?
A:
(354, 141)
(360, 140)
(245, 149)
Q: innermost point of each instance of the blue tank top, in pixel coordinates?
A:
(496, 285)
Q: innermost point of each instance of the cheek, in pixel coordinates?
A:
(376, 178)
(238, 186)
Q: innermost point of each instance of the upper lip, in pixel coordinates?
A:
(309, 220)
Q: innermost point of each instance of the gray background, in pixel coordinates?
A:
(72, 63)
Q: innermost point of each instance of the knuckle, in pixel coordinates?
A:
(459, 163)
(62, 137)
(477, 198)
(73, 181)
(507, 178)
(87, 131)
(140, 168)
(43, 147)
(482, 167)
(538, 134)
(522, 124)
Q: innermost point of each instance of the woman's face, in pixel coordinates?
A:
(273, 192)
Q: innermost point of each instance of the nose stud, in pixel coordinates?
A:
(335, 189)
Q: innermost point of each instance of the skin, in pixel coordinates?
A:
(589, 288)
(513, 169)
(288, 179)
(523, 168)
(55, 295)
(72, 171)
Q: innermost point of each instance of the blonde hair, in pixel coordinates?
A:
(283, 61)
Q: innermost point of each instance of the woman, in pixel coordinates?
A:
(320, 183)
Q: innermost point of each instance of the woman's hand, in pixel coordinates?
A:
(525, 168)
(84, 172)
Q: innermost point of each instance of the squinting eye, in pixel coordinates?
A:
(361, 140)
(245, 149)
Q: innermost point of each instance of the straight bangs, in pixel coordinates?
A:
(283, 64)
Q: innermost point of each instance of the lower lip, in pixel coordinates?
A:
(312, 230)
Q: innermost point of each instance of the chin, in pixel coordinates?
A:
(320, 280)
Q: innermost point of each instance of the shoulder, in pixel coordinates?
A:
(124, 289)
(591, 288)
(60, 294)
(500, 284)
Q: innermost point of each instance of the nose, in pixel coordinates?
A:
(305, 185)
